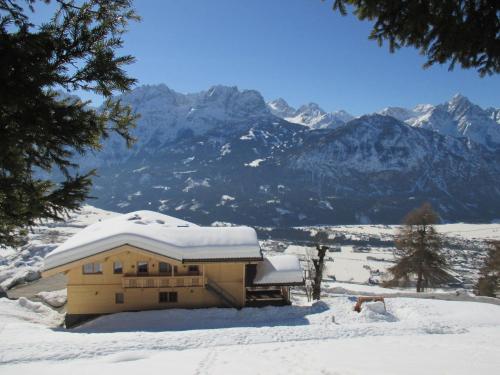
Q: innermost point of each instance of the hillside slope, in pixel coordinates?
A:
(222, 154)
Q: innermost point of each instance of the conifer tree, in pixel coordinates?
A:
(42, 132)
(418, 250)
(489, 279)
(445, 31)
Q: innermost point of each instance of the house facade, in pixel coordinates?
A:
(145, 260)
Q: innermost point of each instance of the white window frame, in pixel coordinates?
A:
(114, 267)
(94, 268)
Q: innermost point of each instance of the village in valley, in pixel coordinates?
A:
(361, 254)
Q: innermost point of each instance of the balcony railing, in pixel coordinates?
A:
(162, 281)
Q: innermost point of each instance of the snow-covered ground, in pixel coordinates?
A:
(461, 230)
(465, 246)
(56, 298)
(350, 266)
(24, 264)
(414, 336)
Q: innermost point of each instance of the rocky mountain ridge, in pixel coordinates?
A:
(310, 115)
(456, 118)
(224, 155)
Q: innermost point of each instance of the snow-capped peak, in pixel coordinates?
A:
(279, 107)
(458, 97)
(399, 113)
(310, 115)
(342, 115)
(311, 108)
(459, 103)
(232, 102)
(458, 117)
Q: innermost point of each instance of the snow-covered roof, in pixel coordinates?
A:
(161, 234)
(279, 269)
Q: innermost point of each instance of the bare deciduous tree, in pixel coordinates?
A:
(315, 260)
(318, 263)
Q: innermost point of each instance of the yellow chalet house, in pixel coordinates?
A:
(146, 260)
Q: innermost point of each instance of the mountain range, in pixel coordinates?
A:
(456, 118)
(310, 115)
(226, 155)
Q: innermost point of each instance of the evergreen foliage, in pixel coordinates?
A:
(41, 130)
(418, 250)
(455, 31)
(489, 279)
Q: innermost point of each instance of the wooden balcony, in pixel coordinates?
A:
(156, 281)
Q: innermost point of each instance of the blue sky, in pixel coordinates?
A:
(296, 49)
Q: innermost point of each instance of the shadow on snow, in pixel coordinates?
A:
(197, 319)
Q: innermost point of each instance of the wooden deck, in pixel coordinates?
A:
(265, 297)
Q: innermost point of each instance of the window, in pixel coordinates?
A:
(119, 299)
(90, 268)
(117, 267)
(165, 297)
(164, 268)
(194, 270)
(142, 267)
(172, 296)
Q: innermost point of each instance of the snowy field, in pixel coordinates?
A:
(467, 247)
(350, 266)
(458, 230)
(413, 336)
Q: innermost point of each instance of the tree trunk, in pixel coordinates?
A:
(318, 274)
(419, 281)
(316, 292)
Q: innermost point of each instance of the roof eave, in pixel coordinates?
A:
(295, 283)
(222, 260)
